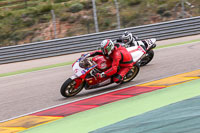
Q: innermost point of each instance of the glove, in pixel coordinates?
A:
(100, 75)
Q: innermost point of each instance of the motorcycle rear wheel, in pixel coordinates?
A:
(68, 90)
(144, 61)
(132, 73)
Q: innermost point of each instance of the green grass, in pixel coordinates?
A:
(35, 69)
(176, 44)
(17, 4)
(69, 63)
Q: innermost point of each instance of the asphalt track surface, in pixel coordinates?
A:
(29, 92)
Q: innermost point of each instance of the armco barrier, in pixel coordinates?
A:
(69, 45)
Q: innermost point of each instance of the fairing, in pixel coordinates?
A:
(136, 52)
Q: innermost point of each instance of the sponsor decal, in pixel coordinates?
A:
(83, 72)
(90, 81)
(90, 67)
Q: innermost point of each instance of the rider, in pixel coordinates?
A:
(128, 39)
(121, 59)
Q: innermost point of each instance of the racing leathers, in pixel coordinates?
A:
(122, 62)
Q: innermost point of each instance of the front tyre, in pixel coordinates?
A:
(70, 88)
(132, 73)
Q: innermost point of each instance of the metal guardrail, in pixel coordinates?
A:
(69, 45)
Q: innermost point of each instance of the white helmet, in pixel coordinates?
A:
(127, 37)
(107, 46)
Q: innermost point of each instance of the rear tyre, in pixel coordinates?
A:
(144, 61)
(132, 73)
(68, 88)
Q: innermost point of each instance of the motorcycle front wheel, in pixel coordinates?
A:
(68, 88)
(132, 73)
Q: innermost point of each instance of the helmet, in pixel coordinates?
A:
(127, 37)
(107, 46)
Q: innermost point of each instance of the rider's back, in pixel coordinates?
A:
(123, 55)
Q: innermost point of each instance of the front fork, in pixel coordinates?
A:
(77, 81)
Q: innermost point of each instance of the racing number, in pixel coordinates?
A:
(76, 70)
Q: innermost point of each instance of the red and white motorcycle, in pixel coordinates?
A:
(85, 70)
(150, 44)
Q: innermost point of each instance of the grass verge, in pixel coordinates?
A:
(35, 69)
(176, 44)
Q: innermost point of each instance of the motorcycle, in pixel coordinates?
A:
(149, 44)
(85, 70)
